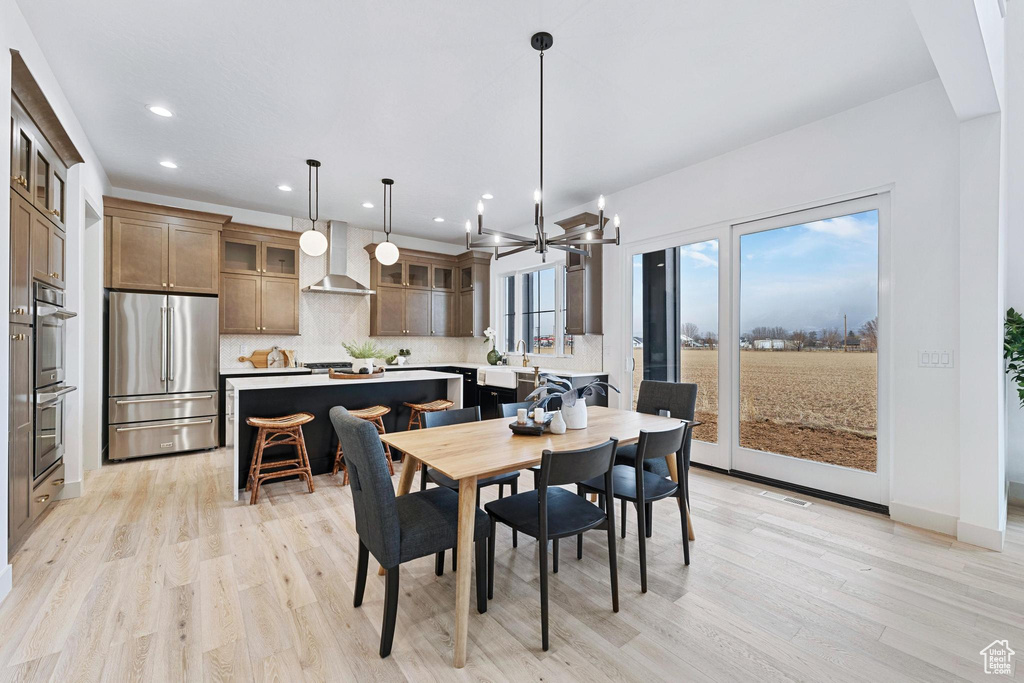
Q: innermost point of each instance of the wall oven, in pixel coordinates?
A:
(50, 340)
(49, 427)
(51, 334)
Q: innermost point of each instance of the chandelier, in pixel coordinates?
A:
(577, 240)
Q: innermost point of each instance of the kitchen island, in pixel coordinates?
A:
(317, 394)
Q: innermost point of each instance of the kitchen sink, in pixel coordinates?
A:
(497, 377)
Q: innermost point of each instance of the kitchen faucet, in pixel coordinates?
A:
(526, 358)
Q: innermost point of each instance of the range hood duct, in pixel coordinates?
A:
(337, 280)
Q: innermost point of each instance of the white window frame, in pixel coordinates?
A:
(559, 268)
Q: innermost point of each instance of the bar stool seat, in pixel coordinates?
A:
(416, 410)
(278, 431)
(373, 414)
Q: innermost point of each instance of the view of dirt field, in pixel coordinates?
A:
(818, 405)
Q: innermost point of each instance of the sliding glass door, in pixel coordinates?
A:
(781, 324)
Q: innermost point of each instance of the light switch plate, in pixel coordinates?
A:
(927, 358)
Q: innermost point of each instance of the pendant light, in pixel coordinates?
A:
(386, 252)
(312, 242)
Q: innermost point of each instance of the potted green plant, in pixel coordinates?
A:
(1013, 350)
(364, 352)
(574, 400)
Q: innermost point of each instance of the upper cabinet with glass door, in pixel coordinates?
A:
(442, 278)
(23, 152)
(280, 259)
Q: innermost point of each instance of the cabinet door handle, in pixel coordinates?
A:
(163, 426)
(172, 284)
(43, 499)
(163, 284)
(58, 482)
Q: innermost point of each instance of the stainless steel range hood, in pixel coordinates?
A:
(337, 280)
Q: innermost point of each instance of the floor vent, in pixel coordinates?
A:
(786, 499)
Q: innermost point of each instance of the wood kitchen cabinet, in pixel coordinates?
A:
(23, 151)
(21, 263)
(20, 442)
(240, 303)
(259, 280)
(153, 248)
(421, 295)
(47, 251)
(139, 255)
(279, 305)
(474, 280)
(193, 261)
(583, 287)
(442, 314)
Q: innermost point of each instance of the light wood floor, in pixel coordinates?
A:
(155, 575)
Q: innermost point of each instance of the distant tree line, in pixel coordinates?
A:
(828, 338)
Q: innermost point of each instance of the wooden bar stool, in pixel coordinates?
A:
(278, 431)
(416, 411)
(372, 414)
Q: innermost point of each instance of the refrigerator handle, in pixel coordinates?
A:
(163, 343)
(170, 340)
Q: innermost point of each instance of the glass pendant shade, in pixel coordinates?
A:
(313, 243)
(386, 253)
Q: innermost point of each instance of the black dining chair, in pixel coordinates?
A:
(398, 529)
(454, 417)
(674, 399)
(637, 485)
(552, 512)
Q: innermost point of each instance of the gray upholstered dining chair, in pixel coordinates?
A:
(677, 399)
(398, 529)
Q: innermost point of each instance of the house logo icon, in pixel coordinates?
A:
(998, 658)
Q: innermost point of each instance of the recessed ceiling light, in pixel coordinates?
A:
(487, 195)
(284, 188)
(367, 205)
(438, 219)
(168, 164)
(161, 111)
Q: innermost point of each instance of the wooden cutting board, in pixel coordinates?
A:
(258, 358)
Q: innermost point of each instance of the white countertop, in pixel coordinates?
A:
(292, 382)
(262, 371)
(519, 369)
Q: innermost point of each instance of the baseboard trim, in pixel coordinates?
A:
(923, 518)
(981, 536)
(796, 488)
(6, 582)
(72, 489)
(1015, 496)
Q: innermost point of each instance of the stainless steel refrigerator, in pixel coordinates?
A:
(164, 354)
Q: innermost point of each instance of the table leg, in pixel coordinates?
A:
(467, 523)
(672, 470)
(410, 466)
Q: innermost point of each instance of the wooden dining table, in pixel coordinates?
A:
(475, 450)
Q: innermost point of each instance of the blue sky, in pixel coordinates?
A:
(800, 277)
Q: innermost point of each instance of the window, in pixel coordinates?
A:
(533, 309)
(508, 295)
(567, 339)
(539, 310)
(698, 331)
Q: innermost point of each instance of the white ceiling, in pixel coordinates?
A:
(442, 95)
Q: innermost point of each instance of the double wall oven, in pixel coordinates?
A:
(50, 388)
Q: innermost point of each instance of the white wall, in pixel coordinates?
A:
(909, 141)
(87, 179)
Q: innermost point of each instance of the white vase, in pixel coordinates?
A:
(576, 415)
(557, 425)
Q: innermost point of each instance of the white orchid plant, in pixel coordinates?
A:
(491, 336)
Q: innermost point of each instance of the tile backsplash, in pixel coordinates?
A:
(326, 320)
